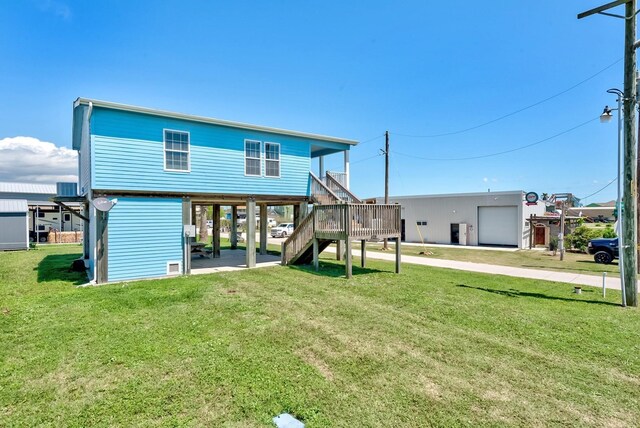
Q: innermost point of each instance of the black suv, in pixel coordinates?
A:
(604, 250)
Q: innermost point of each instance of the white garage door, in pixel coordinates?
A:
(498, 226)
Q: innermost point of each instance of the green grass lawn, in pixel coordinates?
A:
(428, 347)
(530, 259)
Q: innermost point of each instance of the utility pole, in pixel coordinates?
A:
(386, 178)
(629, 195)
(637, 184)
(561, 236)
(628, 216)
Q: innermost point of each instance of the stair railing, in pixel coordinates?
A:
(300, 237)
(340, 176)
(342, 192)
(321, 193)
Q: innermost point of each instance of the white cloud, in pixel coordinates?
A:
(485, 179)
(27, 159)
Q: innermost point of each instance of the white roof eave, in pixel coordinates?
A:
(202, 119)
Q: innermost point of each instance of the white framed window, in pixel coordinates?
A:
(272, 159)
(176, 151)
(252, 157)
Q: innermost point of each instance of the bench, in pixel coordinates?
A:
(197, 248)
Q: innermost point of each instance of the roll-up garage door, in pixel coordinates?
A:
(498, 226)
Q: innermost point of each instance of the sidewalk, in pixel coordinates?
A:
(464, 247)
(546, 275)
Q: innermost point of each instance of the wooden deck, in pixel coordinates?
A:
(342, 222)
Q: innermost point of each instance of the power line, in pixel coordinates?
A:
(505, 151)
(370, 139)
(537, 103)
(595, 193)
(366, 159)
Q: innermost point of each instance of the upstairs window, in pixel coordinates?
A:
(272, 159)
(252, 157)
(176, 151)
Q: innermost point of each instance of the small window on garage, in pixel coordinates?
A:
(67, 217)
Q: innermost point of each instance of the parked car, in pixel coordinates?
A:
(272, 223)
(604, 250)
(282, 230)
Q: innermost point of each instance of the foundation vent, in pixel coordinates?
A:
(173, 268)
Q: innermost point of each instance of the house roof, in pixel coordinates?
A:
(453, 195)
(13, 206)
(35, 188)
(607, 204)
(163, 113)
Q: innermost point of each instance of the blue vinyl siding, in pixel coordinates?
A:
(128, 154)
(144, 234)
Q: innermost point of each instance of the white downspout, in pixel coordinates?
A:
(91, 210)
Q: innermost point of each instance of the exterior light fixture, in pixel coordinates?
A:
(606, 115)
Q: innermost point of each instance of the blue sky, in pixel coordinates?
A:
(349, 69)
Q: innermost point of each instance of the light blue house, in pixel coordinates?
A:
(159, 165)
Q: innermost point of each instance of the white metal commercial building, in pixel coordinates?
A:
(43, 214)
(14, 224)
(488, 218)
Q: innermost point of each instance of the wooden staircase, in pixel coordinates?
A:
(338, 215)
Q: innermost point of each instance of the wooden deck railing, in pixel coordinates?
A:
(341, 222)
(330, 221)
(340, 177)
(298, 239)
(344, 222)
(321, 193)
(341, 191)
(373, 221)
(356, 221)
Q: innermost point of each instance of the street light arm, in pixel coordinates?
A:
(602, 8)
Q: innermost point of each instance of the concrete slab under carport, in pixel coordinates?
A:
(230, 260)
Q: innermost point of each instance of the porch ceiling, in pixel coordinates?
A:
(317, 151)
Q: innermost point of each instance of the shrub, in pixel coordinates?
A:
(609, 232)
(582, 235)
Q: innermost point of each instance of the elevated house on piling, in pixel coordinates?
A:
(152, 168)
